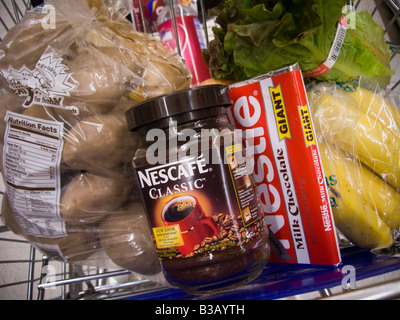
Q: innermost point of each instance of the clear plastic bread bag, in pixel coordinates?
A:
(358, 131)
(69, 70)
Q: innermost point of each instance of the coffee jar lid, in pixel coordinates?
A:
(185, 105)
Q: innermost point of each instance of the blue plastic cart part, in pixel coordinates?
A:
(284, 280)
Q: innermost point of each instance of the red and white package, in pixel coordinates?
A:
(273, 112)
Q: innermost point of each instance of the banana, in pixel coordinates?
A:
(382, 197)
(375, 105)
(351, 205)
(373, 190)
(343, 123)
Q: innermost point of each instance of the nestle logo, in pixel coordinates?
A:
(248, 113)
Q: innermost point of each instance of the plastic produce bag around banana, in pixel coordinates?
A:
(353, 206)
(357, 131)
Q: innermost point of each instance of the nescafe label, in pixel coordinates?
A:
(195, 207)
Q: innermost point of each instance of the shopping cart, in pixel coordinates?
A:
(26, 274)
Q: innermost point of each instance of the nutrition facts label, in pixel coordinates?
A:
(31, 160)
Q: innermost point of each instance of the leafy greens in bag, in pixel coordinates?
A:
(254, 37)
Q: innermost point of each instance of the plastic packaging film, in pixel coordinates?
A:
(68, 154)
(357, 128)
(67, 150)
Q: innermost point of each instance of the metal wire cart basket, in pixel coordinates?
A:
(26, 274)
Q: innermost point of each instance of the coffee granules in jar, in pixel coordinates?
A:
(198, 191)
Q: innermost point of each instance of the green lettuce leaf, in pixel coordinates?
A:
(254, 37)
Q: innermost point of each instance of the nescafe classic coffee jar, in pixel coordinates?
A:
(198, 191)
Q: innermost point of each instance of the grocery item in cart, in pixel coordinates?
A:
(358, 131)
(188, 35)
(198, 191)
(180, 29)
(80, 242)
(274, 113)
(144, 14)
(328, 38)
(66, 148)
(126, 239)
